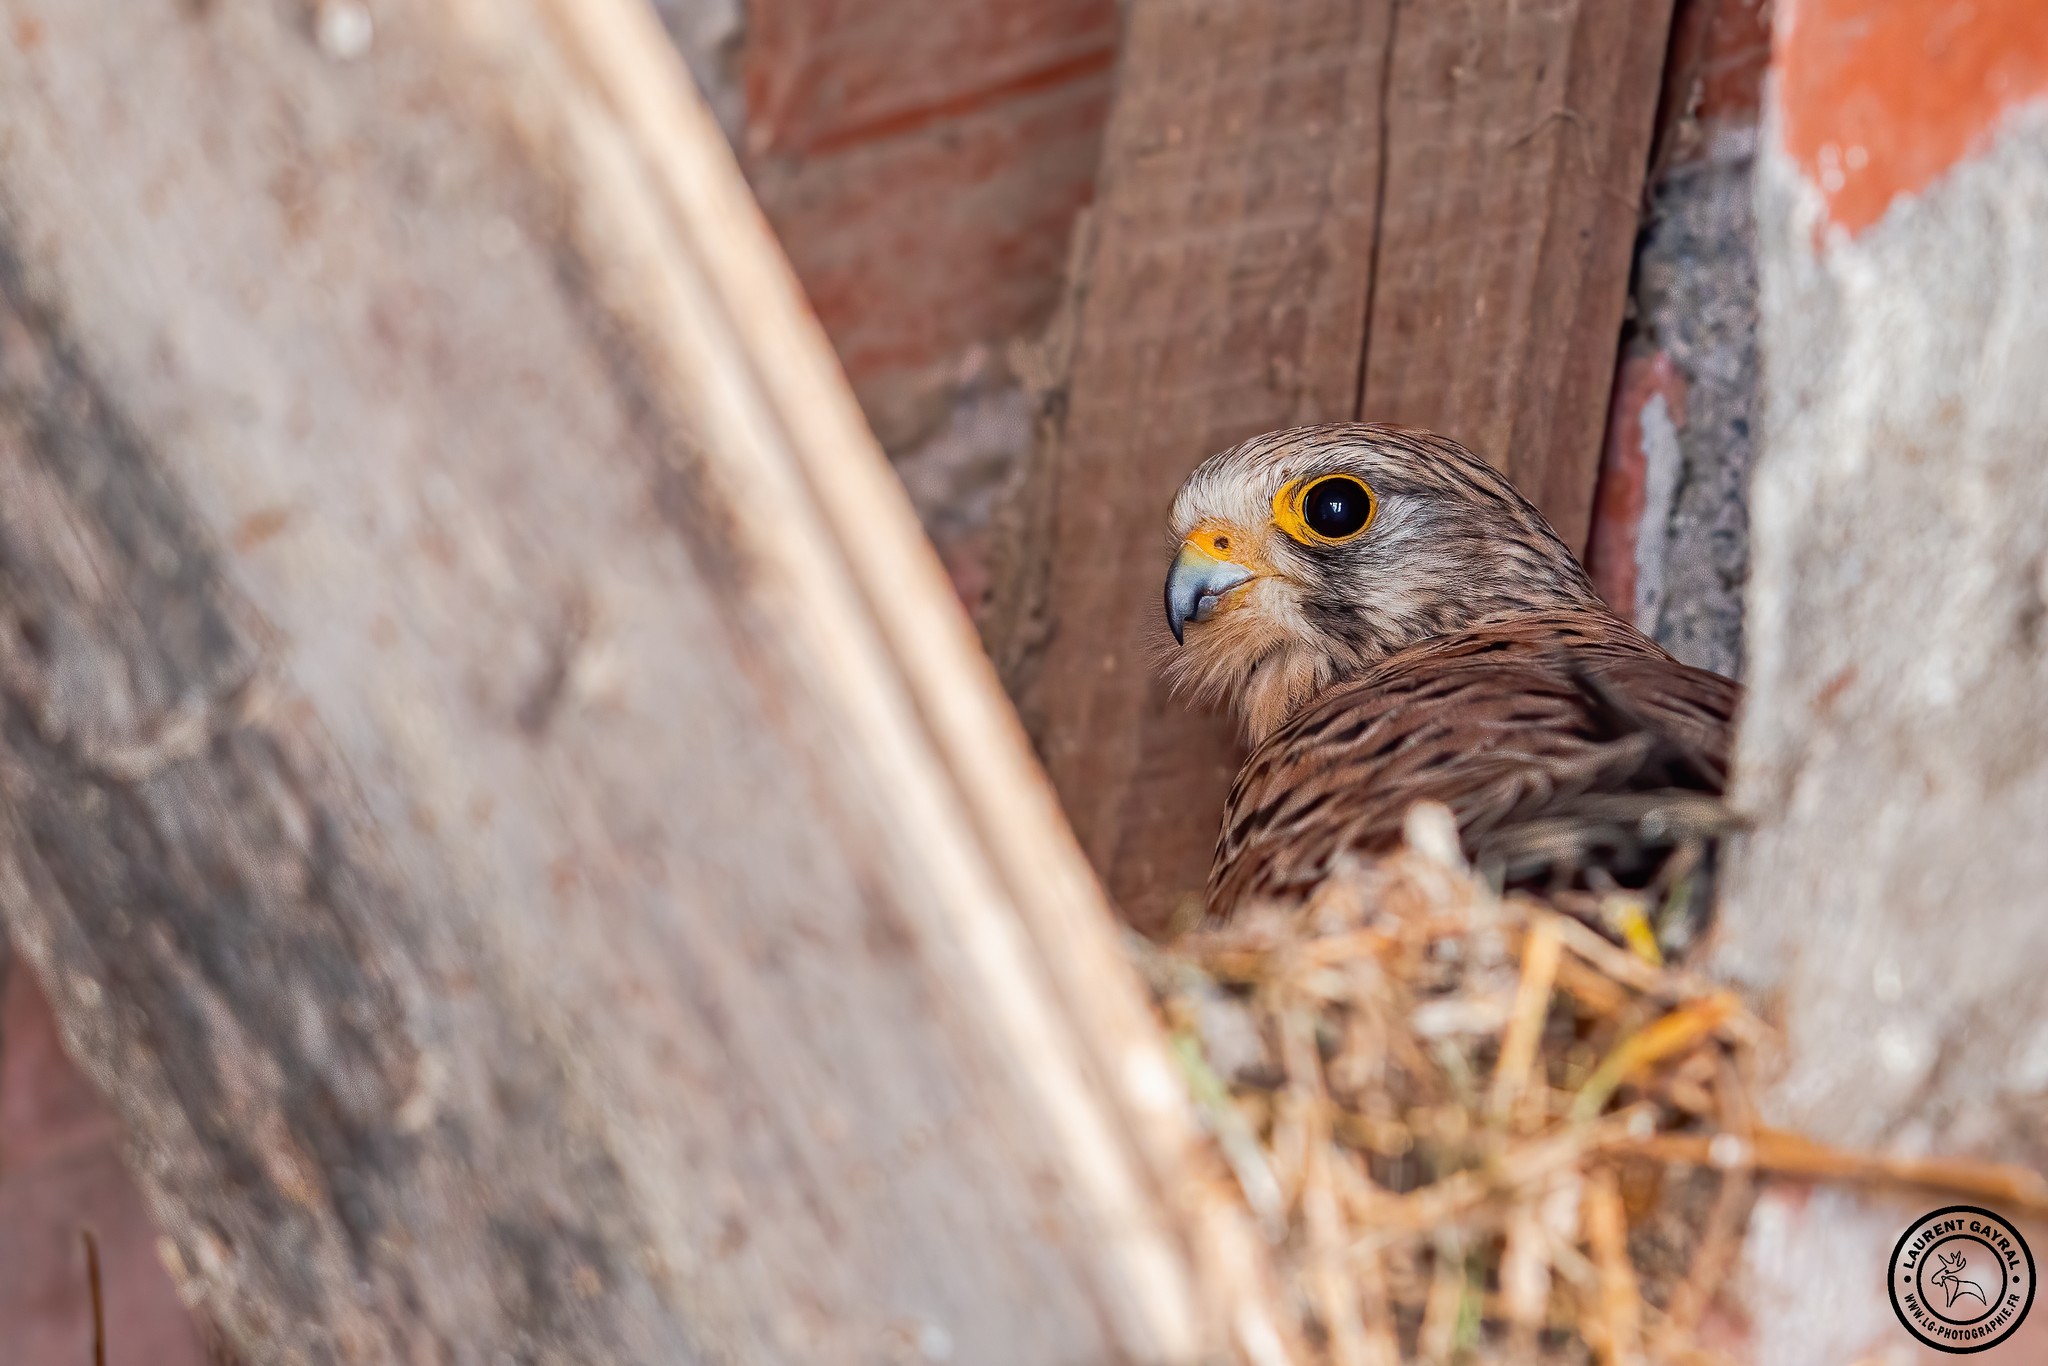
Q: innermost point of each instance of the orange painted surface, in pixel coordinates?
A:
(1879, 97)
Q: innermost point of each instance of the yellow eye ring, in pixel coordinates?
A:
(1297, 503)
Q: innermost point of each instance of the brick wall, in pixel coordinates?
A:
(61, 1175)
(1670, 543)
(923, 165)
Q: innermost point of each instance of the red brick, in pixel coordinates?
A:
(1713, 75)
(826, 71)
(60, 1174)
(1618, 503)
(45, 1301)
(46, 1107)
(923, 165)
(914, 248)
(1738, 53)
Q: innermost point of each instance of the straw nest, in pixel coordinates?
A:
(1477, 1128)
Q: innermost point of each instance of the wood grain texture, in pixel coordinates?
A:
(1226, 295)
(491, 779)
(1464, 176)
(1517, 137)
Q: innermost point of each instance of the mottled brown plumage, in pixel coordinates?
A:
(1528, 730)
(1451, 651)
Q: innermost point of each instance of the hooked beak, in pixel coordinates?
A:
(1195, 584)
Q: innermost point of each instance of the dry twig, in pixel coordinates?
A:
(1430, 1093)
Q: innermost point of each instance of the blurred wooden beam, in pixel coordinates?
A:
(492, 780)
(1278, 174)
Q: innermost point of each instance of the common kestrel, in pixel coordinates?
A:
(1393, 623)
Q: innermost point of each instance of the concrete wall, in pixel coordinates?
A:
(1895, 748)
(1670, 544)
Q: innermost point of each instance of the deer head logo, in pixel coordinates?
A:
(1975, 1262)
(1950, 1278)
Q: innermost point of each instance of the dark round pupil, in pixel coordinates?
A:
(1337, 508)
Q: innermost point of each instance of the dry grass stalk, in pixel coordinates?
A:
(2020, 1190)
(1541, 951)
(1616, 1323)
(1524, 1279)
(1439, 1102)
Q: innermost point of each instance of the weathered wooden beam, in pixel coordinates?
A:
(491, 778)
(1517, 135)
(1225, 294)
(1277, 175)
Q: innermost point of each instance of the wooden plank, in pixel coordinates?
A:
(1226, 295)
(1239, 246)
(1518, 136)
(492, 781)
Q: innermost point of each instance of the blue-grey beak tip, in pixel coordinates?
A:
(1194, 585)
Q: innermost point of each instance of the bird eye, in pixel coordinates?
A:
(1329, 510)
(1336, 508)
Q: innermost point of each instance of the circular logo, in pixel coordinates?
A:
(1962, 1279)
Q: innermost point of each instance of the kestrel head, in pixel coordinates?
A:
(1306, 556)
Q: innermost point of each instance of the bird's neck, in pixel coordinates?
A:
(1280, 684)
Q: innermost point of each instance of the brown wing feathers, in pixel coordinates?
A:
(1557, 740)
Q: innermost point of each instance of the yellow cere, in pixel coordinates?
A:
(1221, 541)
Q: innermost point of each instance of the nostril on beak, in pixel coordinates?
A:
(1195, 584)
